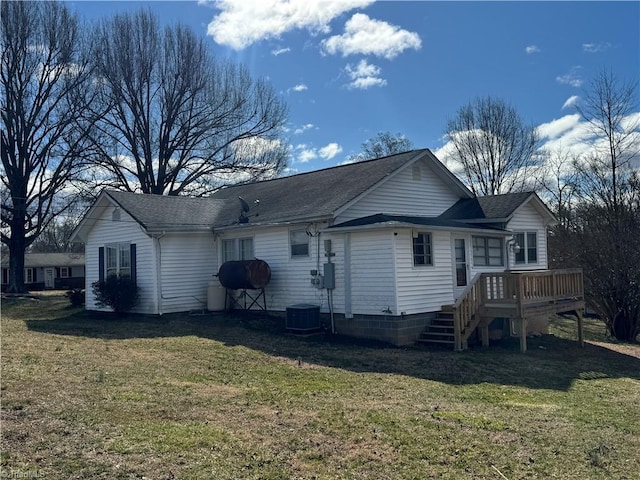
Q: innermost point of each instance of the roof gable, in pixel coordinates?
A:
(496, 208)
(155, 213)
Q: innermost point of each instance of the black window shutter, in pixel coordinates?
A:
(101, 264)
(133, 263)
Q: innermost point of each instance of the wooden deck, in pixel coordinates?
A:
(520, 296)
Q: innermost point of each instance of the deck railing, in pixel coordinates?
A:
(515, 291)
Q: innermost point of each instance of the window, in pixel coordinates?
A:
(246, 248)
(422, 249)
(528, 242)
(28, 275)
(237, 249)
(487, 251)
(228, 250)
(118, 259)
(64, 272)
(299, 243)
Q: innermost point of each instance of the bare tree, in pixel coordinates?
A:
(382, 144)
(609, 109)
(179, 122)
(494, 146)
(56, 237)
(604, 238)
(556, 180)
(43, 88)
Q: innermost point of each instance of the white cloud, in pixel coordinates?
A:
(532, 49)
(301, 87)
(364, 75)
(366, 36)
(572, 78)
(558, 127)
(241, 23)
(571, 102)
(304, 153)
(303, 128)
(595, 47)
(329, 151)
(280, 51)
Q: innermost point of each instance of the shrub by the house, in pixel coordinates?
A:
(120, 293)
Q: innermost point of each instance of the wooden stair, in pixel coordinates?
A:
(441, 330)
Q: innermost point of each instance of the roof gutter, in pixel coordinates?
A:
(272, 223)
(382, 225)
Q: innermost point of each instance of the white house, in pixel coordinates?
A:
(404, 236)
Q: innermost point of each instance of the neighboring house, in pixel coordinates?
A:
(46, 271)
(404, 235)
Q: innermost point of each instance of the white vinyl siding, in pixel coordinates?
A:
(126, 230)
(423, 289)
(406, 193)
(373, 289)
(527, 219)
(290, 276)
(188, 263)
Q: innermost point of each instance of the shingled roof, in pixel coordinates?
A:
(157, 212)
(319, 194)
(34, 260)
(493, 207)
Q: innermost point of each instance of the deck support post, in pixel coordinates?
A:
(523, 334)
(579, 314)
(484, 333)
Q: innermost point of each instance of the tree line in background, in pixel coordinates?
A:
(126, 104)
(135, 106)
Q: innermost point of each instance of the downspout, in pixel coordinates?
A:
(158, 249)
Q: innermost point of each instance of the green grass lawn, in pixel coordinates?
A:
(87, 395)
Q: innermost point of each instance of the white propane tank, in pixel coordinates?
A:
(216, 296)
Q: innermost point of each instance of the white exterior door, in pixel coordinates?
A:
(460, 265)
(49, 278)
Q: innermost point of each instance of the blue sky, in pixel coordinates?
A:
(351, 68)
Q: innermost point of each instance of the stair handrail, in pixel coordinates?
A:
(464, 310)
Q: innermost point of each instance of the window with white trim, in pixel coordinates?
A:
(422, 249)
(28, 275)
(237, 249)
(488, 252)
(65, 272)
(118, 259)
(299, 243)
(528, 243)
